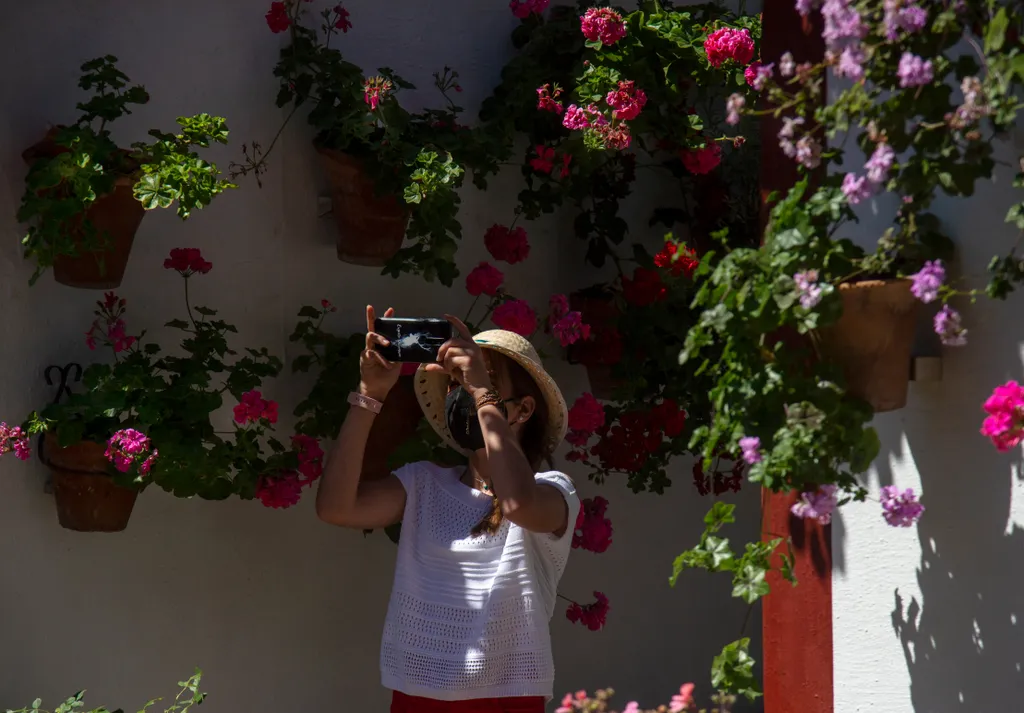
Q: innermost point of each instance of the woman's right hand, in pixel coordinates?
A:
(377, 374)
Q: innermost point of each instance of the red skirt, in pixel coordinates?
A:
(401, 703)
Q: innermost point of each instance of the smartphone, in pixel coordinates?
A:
(415, 339)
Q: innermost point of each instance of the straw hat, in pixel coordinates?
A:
(432, 386)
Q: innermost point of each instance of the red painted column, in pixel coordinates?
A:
(796, 621)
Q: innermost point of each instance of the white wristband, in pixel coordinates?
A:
(372, 405)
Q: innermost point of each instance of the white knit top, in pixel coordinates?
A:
(469, 616)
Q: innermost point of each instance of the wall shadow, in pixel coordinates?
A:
(963, 644)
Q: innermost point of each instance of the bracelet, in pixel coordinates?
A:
(491, 398)
(371, 405)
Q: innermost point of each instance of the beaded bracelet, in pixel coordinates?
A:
(491, 398)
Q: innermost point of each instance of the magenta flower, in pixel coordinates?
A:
(253, 408)
(949, 327)
(908, 17)
(311, 458)
(787, 134)
(341, 18)
(575, 118)
(570, 329)
(187, 261)
(484, 279)
(808, 152)
(128, 447)
(857, 188)
(279, 492)
(524, 8)
(928, 281)
(593, 531)
(376, 90)
(604, 25)
(593, 616)
(809, 288)
(515, 316)
(914, 71)
(547, 99)
(558, 306)
(851, 63)
(757, 74)
(727, 44)
(733, 106)
(1005, 422)
(586, 415)
(751, 447)
(683, 701)
(14, 440)
(880, 163)
(817, 505)
(900, 509)
(627, 101)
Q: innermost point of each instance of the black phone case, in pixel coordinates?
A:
(415, 340)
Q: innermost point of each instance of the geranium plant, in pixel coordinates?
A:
(80, 163)
(924, 115)
(416, 157)
(157, 412)
(188, 695)
(601, 702)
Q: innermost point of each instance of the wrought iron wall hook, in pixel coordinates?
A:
(68, 373)
(65, 373)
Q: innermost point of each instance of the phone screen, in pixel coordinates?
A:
(413, 339)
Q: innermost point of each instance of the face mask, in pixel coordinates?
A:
(460, 416)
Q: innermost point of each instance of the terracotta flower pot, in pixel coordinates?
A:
(87, 498)
(116, 215)
(371, 227)
(873, 339)
(598, 309)
(395, 424)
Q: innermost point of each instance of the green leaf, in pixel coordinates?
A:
(732, 670)
(720, 553)
(996, 34)
(721, 513)
(749, 583)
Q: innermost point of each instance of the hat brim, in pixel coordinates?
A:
(432, 389)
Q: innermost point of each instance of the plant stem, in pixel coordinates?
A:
(188, 306)
(471, 308)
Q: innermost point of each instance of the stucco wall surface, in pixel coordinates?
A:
(281, 611)
(926, 619)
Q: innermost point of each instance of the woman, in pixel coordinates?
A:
(483, 546)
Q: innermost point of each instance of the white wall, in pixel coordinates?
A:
(279, 610)
(926, 619)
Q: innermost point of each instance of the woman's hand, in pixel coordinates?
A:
(378, 376)
(463, 359)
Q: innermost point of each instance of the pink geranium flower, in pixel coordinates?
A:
(484, 279)
(253, 408)
(515, 316)
(279, 492)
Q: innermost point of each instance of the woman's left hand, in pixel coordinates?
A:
(463, 359)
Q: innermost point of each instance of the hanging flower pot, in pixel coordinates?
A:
(115, 218)
(394, 425)
(371, 227)
(873, 339)
(87, 498)
(600, 353)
